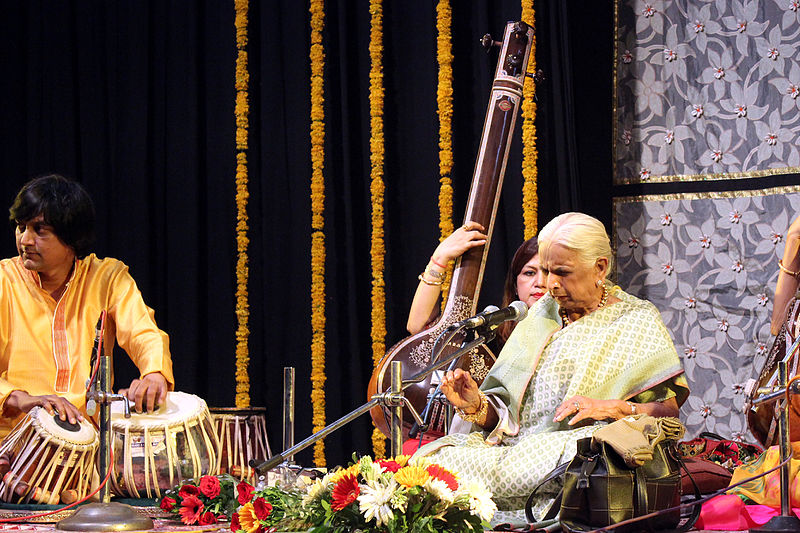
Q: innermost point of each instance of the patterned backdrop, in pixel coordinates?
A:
(706, 89)
(709, 263)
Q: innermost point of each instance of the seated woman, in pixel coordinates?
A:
(523, 280)
(586, 352)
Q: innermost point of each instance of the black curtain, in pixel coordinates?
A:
(135, 100)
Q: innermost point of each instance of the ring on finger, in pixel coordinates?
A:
(465, 227)
(577, 406)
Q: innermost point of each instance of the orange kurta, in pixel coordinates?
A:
(46, 345)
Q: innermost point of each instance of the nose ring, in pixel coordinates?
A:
(556, 285)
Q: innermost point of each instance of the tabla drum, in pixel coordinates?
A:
(157, 451)
(47, 460)
(242, 438)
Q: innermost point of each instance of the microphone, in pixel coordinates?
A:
(492, 316)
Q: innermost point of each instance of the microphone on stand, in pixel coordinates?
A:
(491, 316)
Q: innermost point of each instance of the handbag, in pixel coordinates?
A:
(601, 490)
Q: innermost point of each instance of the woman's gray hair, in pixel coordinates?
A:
(581, 233)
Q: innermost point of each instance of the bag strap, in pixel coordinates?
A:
(556, 507)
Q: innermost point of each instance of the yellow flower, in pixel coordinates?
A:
(336, 476)
(402, 460)
(248, 519)
(412, 476)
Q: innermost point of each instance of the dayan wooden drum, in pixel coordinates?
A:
(45, 460)
(154, 452)
(242, 437)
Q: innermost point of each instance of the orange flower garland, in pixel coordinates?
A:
(444, 100)
(530, 202)
(317, 57)
(377, 187)
(242, 111)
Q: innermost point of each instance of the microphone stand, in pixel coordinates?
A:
(393, 398)
(104, 515)
(786, 521)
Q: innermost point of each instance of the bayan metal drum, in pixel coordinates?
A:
(242, 437)
(155, 452)
(47, 460)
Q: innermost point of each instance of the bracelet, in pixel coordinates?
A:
(426, 282)
(478, 415)
(443, 267)
(435, 274)
(632, 406)
(787, 271)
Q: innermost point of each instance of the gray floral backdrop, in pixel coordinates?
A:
(706, 89)
(709, 263)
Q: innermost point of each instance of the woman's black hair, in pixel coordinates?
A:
(64, 204)
(524, 253)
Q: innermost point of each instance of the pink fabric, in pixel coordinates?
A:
(729, 513)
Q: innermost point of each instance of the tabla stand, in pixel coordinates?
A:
(786, 521)
(105, 515)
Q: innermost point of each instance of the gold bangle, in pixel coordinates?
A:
(787, 271)
(434, 273)
(478, 415)
(632, 406)
(426, 282)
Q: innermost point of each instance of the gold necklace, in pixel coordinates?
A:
(565, 316)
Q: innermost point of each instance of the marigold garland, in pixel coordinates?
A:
(530, 202)
(377, 248)
(317, 57)
(242, 111)
(444, 101)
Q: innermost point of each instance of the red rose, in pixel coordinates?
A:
(168, 503)
(191, 508)
(345, 492)
(207, 518)
(235, 522)
(188, 490)
(209, 485)
(389, 465)
(262, 508)
(245, 492)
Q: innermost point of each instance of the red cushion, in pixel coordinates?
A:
(708, 475)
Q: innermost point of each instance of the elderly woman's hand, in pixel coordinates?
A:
(585, 408)
(461, 390)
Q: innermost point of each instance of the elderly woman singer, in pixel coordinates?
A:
(586, 352)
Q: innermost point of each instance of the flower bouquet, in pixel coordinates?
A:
(395, 496)
(206, 502)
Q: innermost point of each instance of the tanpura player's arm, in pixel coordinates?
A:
(788, 276)
(423, 307)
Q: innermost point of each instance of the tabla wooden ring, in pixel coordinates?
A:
(43, 458)
(155, 452)
(242, 437)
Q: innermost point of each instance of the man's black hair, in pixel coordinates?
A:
(64, 204)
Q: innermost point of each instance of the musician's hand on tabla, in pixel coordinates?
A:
(147, 393)
(467, 236)
(461, 390)
(19, 401)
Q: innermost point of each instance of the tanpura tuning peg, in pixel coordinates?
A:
(537, 76)
(520, 28)
(487, 42)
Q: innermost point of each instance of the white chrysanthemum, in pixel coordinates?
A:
(315, 490)
(439, 488)
(370, 470)
(375, 501)
(480, 502)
